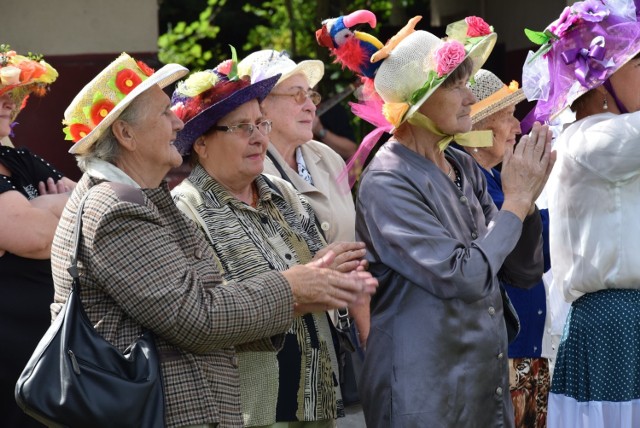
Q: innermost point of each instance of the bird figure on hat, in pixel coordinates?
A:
(353, 49)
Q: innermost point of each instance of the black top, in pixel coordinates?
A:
(27, 170)
(26, 287)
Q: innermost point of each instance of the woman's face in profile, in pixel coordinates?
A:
(449, 107)
(505, 127)
(233, 157)
(7, 106)
(626, 83)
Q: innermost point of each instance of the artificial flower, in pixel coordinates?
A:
(145, 68)
(197, 83)
(10, 75)
(179, 110)
(449, 56)
(394, 112)
(591, 10)
(77, 132)
(126, 80)
(477, 26)
(564, 22)
(224, 67)
(100, 110)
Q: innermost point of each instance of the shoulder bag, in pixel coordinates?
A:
(76, 378)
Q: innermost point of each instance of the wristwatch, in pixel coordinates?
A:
(322, 133)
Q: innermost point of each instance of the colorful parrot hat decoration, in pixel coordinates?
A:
(492, 95)
(579, 51)
(267, 63)
(421, 62)
(207, 96)
(102, 100)
(21, 76)
(353, 49)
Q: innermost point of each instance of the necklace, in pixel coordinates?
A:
(450, 169)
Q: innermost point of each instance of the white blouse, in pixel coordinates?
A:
(594, 205)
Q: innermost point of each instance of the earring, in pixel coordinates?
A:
(475, 150)
(605, 105)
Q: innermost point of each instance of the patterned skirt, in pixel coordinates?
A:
(596, 381)
(529, 385)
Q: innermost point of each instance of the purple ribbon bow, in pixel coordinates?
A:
(590, 61)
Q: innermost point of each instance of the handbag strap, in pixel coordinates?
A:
(77, 231)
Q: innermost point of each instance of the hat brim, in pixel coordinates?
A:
(478, 53)
(203, 121)
(163, 77)
(312, 69)
(506, 101)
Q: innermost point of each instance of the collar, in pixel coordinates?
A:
(107, 171)
(210, 186)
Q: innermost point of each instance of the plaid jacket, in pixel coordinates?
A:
(144, 265)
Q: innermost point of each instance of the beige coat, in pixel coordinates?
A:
(331, 201)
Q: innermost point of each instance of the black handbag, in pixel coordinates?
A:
(350, 354)
(75, 378)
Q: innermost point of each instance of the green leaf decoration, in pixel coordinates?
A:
(233, 74)
(537, 37)
(432, 80)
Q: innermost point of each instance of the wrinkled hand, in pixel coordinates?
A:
(317, 288)
(349, 256)
(51, 187)
(525, 170)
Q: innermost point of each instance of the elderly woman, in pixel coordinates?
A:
(144, 266)
(30, 217)
(256, 224)
(310, 166)
(436, 354)
(528, 371)
(594, 195)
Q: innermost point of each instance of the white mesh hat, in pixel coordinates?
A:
(492, 95)
(414, 68)
(267, 63)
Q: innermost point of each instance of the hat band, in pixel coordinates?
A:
(494, 98)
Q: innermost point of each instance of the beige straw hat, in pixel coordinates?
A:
(492, 95)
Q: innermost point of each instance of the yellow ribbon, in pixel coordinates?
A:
(466, 139)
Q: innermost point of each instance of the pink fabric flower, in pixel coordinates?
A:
(477, 26)
(564, 22)
(225, 67)
(449, 56)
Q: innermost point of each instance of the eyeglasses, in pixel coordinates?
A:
(301, 96)
(245, 130)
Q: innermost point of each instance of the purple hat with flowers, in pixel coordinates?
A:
(205, 97)
(580, 50)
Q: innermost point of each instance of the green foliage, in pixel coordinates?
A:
(182, 42)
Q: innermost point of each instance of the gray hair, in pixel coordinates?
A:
(106, 147)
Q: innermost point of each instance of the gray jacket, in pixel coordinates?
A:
(437, 350)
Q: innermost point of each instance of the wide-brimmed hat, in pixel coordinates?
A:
(267, 63)
(580, 50)
(492, 95)
(102, 100)
(421, 62)
(207, 96)
(21, 76)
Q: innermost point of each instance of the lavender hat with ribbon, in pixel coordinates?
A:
(207, 96)
(580, 50)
